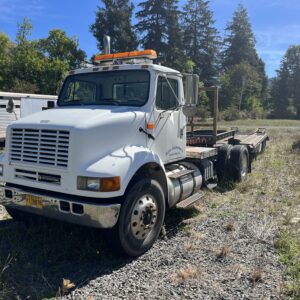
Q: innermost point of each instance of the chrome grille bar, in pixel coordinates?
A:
(40, 146)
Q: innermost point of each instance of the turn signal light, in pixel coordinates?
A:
(110, 184)
(150, 125)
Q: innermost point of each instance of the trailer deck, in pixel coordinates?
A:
(200, 152)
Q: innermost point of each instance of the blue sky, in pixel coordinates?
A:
(276, 23)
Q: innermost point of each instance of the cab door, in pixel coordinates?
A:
(169, 130)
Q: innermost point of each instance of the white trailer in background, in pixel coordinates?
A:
(24, 105)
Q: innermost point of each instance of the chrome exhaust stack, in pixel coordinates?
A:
(106, 44)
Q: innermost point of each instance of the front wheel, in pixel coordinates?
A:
(141, 218)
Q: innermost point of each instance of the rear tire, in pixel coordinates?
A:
(223, 162)
(239, 162)
(263, 146)
(141, 218)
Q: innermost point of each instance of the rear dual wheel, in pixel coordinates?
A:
(239, 162)
(232, 163)
(223, 162)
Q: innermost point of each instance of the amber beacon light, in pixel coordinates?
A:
(150, 54)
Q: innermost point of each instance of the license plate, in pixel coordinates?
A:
(34, 201)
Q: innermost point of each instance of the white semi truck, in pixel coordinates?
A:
(113, 153)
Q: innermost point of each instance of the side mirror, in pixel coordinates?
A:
(191, 88)
(10, 106)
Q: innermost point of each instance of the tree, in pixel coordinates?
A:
(241, 87)
(239, 41)
(159, 29)
(6, 47)
(60, 54)
(239, 52)
(151, 26)
(201, 39)
(286, 87)
(58, 46)
(174, 56)
(26, 65)
(114, 19)
(39, 66)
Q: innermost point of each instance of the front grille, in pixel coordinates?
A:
(40, 146)
(37, 176)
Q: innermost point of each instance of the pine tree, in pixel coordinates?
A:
(240, 41)
(285, 87)
(174, 56)
(114, 19)
(201, 39)
(159, 29)
(239, 51)
(151, 26)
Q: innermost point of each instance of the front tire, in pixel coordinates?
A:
(141, 218)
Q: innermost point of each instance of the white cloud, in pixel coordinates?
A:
(12, 11)
(273, 42)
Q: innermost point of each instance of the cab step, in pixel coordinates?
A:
(179, 174)
(190, 200)
(211, 186)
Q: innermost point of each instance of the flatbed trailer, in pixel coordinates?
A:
(255, 142)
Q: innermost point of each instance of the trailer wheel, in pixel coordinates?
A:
(223, 162)
(239, 162)
(263, 146)
(141, 218)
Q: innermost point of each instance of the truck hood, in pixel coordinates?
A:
(94, 131)
(80, 117)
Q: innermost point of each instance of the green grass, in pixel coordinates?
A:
(289, 248)
(272, 190)
(262, 123)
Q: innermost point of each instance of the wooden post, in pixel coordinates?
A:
(216, 110)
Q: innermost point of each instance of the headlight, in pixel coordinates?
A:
(95, 184)
(1, 170)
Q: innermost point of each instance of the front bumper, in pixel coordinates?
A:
(86, 214)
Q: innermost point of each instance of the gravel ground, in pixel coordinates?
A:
(211, 258)
(219, 254)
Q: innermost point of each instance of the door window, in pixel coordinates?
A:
(165, 98)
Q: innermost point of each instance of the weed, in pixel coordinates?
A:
(263, 229)
(224, 252)
(230, 226)
(238, 270)
(184, 274)
(296, 145)
(257, 275)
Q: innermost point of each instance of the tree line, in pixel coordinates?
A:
(37, 66)
(185, 39)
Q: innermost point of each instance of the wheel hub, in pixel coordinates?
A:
(244, 166)
(144, 216)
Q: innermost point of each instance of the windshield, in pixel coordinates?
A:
(106, 88)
